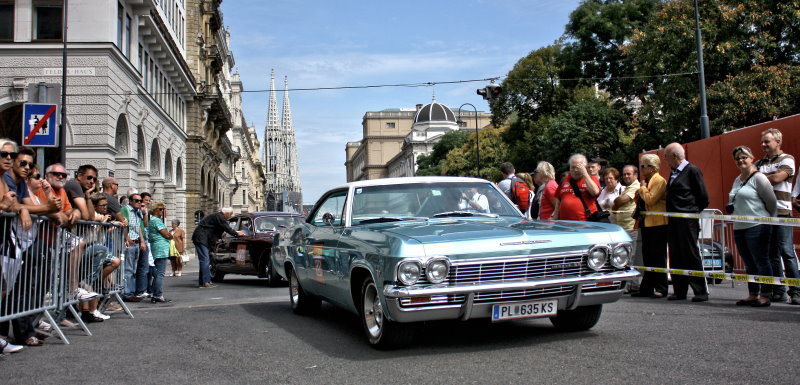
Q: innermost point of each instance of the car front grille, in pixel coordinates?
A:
(474, 272)
(494, 297)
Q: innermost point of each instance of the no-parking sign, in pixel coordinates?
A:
(40, 125)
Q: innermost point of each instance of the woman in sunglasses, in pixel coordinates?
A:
(159, 238)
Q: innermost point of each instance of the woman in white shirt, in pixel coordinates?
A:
(612, 190)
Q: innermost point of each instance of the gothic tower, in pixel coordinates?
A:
(280, 155)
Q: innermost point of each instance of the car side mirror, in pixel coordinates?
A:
(328, 219)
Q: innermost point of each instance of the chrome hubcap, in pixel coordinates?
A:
(373, 311)
(294, 289)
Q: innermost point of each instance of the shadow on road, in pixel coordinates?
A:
(338, 333)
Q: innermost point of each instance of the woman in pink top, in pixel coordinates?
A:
(545, 178)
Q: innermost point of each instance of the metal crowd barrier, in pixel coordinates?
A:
(42, 269)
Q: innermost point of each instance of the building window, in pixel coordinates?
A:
(47, 19)
(6, 21)
(120, 17)
(127, 36)
(244, 197)
(390, 125)
(141, 52)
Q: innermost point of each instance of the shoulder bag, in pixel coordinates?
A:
(597, 216)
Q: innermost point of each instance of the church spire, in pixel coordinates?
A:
(286, 119)
(272, 113)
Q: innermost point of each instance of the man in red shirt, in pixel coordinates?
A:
(569, 206)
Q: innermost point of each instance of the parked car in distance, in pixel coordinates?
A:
(250, 254)
(400, 251)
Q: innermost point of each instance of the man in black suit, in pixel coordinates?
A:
(686, 193)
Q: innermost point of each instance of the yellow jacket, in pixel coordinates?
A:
(655, 199)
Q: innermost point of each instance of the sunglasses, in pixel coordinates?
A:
(25, 164)
(741, 158)
(35, 176)
(645, 165)
(136, 200)
(6, 154)
(90, 178)
(61, 175)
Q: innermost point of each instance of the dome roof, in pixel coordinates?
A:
(435, 112)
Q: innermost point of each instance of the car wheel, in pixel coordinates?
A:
(382, 333)
(302, 303)
(580, 319)
(216, 275)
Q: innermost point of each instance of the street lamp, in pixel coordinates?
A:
(704, 129)
(477, 145)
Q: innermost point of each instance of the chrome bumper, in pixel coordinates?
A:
(468, 309)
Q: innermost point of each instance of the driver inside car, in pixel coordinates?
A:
(472, 200)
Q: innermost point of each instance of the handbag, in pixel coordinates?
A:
(597, 216)
(185, 258)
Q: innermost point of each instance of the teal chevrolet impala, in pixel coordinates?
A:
(400, 251)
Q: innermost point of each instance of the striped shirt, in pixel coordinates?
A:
(783, 190)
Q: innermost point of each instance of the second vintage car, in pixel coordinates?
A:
(404, 250)
(250, 254)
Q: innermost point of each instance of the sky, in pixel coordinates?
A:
(356, 43)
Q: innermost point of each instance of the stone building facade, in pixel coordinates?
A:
(128, 87)
(150, 95)
(394, 138)
(248, 194)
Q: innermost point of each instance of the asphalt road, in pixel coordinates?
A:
(244, 332)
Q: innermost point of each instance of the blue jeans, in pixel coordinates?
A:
(158, 279)
(782, 257)
(751, 243)
(98, 254)
(132, 255)
(142, 268)
(203, 260)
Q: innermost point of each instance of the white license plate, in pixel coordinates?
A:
(508, 311)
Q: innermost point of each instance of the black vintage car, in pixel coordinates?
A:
(250, 254)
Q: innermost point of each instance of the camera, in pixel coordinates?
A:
(729, 208)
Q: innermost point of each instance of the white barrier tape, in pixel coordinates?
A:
(728, 276)
(795, 222)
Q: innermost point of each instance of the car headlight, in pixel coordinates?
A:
(621, 256)
(408, 272)
(597, 258)
(437, 269)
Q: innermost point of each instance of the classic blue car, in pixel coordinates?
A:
(403, 250)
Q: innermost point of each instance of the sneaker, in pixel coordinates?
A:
(780, 298)
(178, 274)
(83, 295)
(144, 295)
(44, 326)
(8, 347)
(113, 308)
(98, 314)
(132, 299)
(207, 285)
(89, 317)
(67, 324)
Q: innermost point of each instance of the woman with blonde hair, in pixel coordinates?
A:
(653, 196)
(545, 178)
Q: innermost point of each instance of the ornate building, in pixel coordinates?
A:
(248, 194)
(280, 155)
(129, 86)
(210, 153)
(394, 138)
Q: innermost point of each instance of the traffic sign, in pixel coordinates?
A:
(40, 125)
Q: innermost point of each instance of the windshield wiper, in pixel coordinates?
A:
(463, 214)
(385, 219)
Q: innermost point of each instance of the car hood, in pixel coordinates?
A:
(472, 235)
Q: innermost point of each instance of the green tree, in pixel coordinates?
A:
(461, 161)
(750, 54)
(595, 32)
(431, 164)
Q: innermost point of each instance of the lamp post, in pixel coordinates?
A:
(704, 129)
(477, 144)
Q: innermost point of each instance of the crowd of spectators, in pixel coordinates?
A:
(52, 203)
(764, 188)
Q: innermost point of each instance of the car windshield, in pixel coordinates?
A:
(428, 200)
(265, 224)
